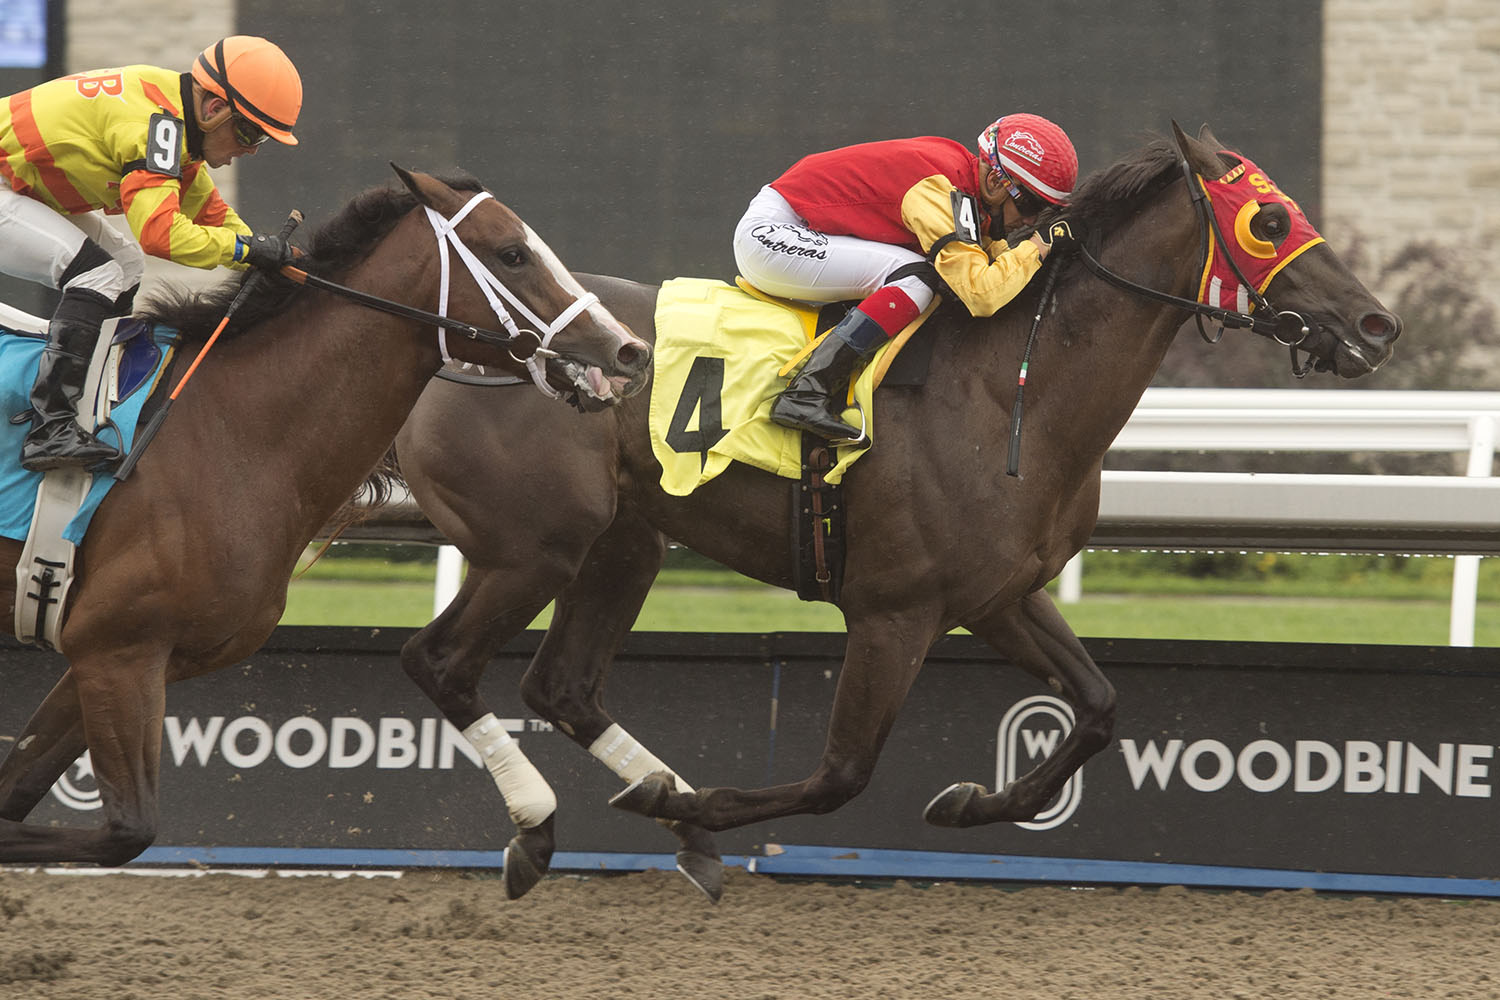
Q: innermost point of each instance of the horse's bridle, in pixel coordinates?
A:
(446, 230)
(1287, 328)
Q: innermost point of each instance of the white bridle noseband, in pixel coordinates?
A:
(446, 230)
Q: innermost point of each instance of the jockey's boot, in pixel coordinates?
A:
(56, 439)
(814, 400)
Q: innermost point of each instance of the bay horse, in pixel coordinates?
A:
(939, 536)
(186, 564)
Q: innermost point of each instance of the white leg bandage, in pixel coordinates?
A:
(623, 755)
(527, 795)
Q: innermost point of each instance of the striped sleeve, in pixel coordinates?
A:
(154, 208)
(982, 283)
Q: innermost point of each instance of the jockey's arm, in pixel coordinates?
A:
(981, 282)
(182, 220)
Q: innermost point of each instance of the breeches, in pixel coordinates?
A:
(41, 245)
(778, 253)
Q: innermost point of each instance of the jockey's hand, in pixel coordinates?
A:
(1055, 235)
(265, 251)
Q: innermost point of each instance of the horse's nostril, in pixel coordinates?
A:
(634, 358)
(1379, 326)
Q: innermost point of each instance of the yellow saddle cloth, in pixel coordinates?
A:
(722, 354)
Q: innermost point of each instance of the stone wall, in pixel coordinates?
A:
(1411, 118)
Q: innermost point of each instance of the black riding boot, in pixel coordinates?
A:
(814, 400)
(56, 439)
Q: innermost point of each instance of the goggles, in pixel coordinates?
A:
(246, 132)
(1027, 203)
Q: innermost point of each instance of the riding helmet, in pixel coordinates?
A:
(258, 81)
(1035, 152)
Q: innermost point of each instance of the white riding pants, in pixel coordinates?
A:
(780, 254)
(38, 244)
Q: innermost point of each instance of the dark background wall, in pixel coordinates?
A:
(632, 135)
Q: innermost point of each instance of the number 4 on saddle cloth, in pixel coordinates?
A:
(51, 512)
(722, 355)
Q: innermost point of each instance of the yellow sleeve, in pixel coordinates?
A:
(982, 283)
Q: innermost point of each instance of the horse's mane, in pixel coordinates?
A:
(1108, 197)
(337, 245)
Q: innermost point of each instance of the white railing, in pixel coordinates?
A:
(1310, 512)
(1450, 515)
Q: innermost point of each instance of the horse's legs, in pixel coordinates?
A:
(1034, 636)
(565, 683)
(447, 659)
(122, 695)
(885, 651)
(51, 741)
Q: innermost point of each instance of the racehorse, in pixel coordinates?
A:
(938, 534)
(186, 564)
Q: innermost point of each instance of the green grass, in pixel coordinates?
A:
(1283, 599)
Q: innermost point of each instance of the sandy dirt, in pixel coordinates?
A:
(454, 936)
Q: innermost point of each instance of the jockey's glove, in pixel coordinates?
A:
(265, 251)
(1057, 235)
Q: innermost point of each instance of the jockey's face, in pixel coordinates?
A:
(220, 143)
(997, 192)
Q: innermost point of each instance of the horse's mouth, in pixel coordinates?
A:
(588, 388)
(1347, 357)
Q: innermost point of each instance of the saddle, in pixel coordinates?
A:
(722, 355)
(50, 512)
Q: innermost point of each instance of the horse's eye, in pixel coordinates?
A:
(512, 256)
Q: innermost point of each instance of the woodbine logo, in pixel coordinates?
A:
(1028, 734)
(1307, 767)
(388, 743)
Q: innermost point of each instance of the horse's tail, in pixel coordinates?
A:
(377, 489)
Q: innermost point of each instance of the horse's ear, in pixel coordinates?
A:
(418, 184)
(1202, 157)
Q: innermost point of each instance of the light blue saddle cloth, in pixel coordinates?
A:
(144, 355)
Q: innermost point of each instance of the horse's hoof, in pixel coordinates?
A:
(527, 858)
(699, 859)
(645, 795)
(951, 806)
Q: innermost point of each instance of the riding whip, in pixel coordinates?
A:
(1013, 463)
(149, 431)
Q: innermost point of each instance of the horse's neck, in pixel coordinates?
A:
(334, 381)
(1098, 346)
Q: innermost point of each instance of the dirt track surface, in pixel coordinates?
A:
(454, 936)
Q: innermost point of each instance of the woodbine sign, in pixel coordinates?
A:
(1378, 760)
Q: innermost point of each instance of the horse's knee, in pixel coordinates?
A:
(1095, 722)
(559, 699)
(417, 659)
(836, 784)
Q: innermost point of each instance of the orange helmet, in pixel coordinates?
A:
(258, 81)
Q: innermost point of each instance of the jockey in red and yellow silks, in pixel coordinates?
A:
(131, 141)
(874, 221)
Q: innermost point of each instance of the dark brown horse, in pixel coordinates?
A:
(185, 567)
(938, 535)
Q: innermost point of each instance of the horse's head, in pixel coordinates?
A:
(1268, 245)
(510, 269)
